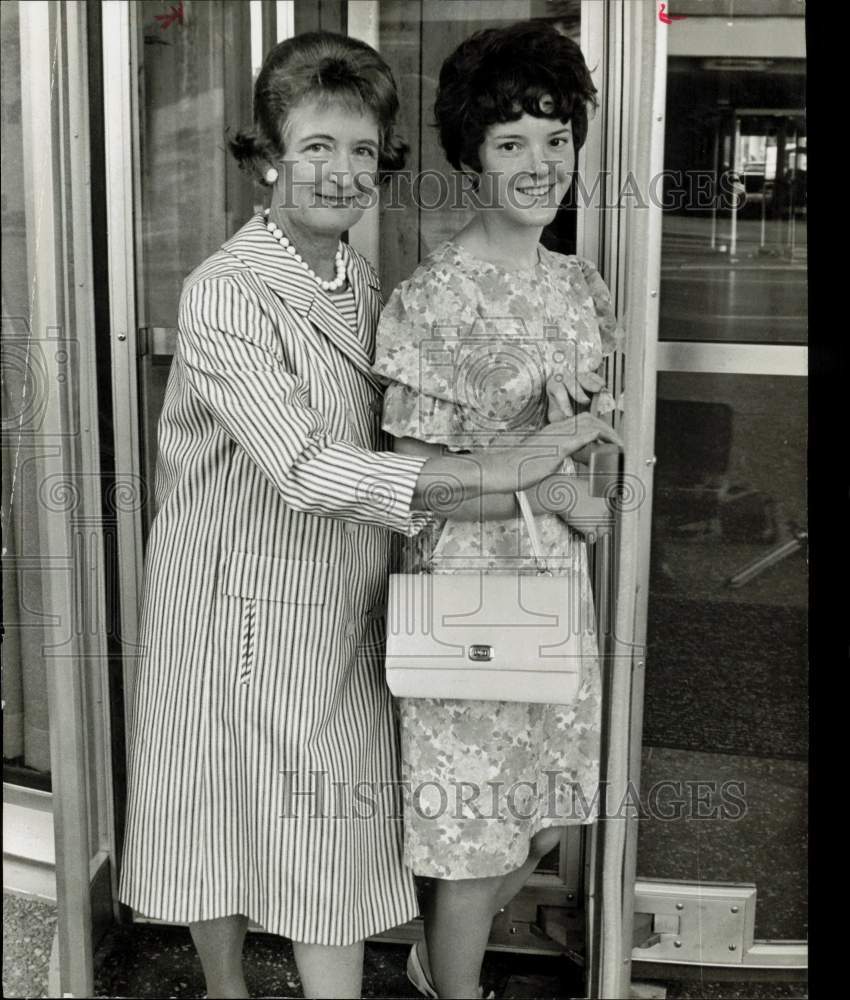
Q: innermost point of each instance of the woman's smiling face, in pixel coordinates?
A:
(526, 168)
(329, 170)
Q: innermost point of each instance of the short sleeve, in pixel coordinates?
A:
(408, 341)
(419, 399)
(408, 413)
(610, 331)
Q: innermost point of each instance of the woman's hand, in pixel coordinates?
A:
(448, 478)
(573, 434)
(559, 409)
(558, 399)
(568, 496)
(582, 456)
(542, 453)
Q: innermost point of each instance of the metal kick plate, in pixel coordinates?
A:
(705, 923)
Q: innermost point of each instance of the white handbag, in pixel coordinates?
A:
(486, 636)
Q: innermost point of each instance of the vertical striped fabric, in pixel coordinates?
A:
(263, 738)
(343, 299)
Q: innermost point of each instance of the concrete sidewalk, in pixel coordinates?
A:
(148, 960)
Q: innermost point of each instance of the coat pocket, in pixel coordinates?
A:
(265, 578)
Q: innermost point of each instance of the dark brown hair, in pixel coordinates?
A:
(499, 74)
(328, 67)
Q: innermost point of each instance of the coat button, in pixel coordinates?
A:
(350, 527)
(351, 629)
(377, 405)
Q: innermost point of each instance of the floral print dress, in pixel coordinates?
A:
(467, 348)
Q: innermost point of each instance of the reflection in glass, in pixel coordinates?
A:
(726, 679)
(26, 746)
(725, 738)
(194, 82)
(734, 250)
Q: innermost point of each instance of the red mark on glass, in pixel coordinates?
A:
(665, 18)
(175, 16)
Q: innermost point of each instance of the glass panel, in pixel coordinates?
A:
(26, 750)
(424, 206)
(726, 679)
(726, 730)
(734, 250)
(195, 81)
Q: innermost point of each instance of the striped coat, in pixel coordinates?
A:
(262, 730)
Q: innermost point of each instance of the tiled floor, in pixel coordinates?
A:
(159, 961)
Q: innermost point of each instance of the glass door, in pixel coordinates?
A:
(725, 729)
(58, 843)
(194, 82)
(726, 583)
(171, 202)
(26, 740)
(174, 76)
(192, 79)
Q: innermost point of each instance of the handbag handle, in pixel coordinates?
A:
(528, 517)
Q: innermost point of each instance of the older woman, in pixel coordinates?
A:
(512, 112)
(260, 709)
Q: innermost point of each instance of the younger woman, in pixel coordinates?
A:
(471, 342)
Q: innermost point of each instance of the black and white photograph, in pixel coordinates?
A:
(405, 494)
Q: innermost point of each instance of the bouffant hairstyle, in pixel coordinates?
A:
(327, 67)
(498, 74)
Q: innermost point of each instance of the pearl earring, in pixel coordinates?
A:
(270, 175)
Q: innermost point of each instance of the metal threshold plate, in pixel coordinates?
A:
(706, 923)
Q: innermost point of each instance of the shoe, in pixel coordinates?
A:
(416, 975)
(417, 978)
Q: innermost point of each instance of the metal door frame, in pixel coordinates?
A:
(636, 54)
(61, 329)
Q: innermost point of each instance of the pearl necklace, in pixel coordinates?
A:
(328, 286)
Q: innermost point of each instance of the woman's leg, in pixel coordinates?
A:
(508, 886)
(541, 844)
(219, 945)
(329, 971)
(457, 926)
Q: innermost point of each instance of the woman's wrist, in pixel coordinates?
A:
(446, 481)
(553, 495)
(452, 479)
